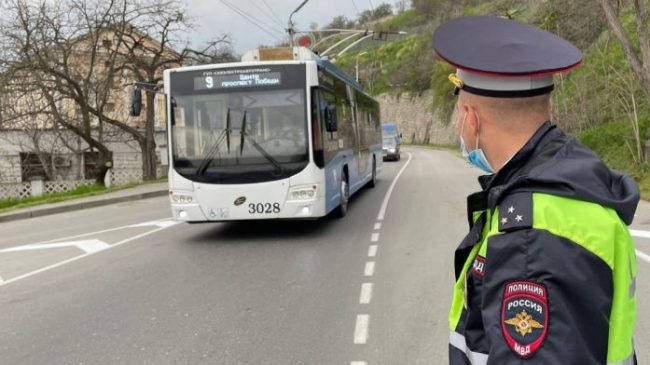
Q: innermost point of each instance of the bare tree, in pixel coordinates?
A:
(51, 53)
(638, 57)
(146, 48)
(79, 55)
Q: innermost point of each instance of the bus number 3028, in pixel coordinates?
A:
(263, 208)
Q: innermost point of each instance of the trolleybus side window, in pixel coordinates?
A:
(344, 115)
(317, 128)
(331, 142)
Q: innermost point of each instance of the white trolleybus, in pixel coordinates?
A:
(282, 134)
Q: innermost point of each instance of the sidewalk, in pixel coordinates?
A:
(136, 193)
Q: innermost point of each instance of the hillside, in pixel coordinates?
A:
(601, 103)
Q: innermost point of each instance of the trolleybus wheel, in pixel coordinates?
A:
(342, 209)
(373, 180)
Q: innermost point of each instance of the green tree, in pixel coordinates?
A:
(341, 22)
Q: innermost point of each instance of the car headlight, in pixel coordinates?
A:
(391, 150)
(178, 198)
(303, 192)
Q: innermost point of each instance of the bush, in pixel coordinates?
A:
(614, 143)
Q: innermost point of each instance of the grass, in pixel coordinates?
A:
(644, 187)
(446, 147)
(80, 192)
(402, 21)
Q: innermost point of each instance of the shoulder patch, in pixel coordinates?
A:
(478, 266)
(516, 212)
(524, 317)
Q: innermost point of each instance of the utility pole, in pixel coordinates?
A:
(290, 25)
(356, 67)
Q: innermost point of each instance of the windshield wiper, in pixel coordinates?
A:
(242, 136)
(214, 149)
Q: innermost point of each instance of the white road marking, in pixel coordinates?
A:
(2, 281)
(384, 204)
(99, 232)
(361, 329)
(87, 246)
(358, 363)
(158, 223)
(374, 237)
(370, 268)
(640, 234)
(643, 256)
(377, 226)
(372, 251)
(58, 264)
(366, 293)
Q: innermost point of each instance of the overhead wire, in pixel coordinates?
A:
(264, 14)
(355, 7)
(251, 16)
(273, 13)
(256, 22)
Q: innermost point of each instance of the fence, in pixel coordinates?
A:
(27, 189)
(122, 177)
(35, 188)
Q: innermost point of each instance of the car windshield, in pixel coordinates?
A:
(389, 141)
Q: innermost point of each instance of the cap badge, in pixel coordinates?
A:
(456, 81)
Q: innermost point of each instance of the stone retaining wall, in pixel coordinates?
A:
(418, 124)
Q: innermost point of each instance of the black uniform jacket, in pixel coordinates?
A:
(578, 285)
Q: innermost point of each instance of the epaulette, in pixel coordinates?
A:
(516, 212)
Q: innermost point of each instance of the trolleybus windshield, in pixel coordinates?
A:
(238, 126)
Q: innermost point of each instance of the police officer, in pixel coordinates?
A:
(547, 272)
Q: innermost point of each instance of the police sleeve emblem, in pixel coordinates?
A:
(524, 317)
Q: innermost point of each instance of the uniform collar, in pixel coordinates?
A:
(496, 184)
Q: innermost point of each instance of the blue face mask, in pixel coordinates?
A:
(475, 157)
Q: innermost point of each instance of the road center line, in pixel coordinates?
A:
(73, 259)
(370, 268)
(358, 363)
(384, 204)
(377, 226)
(366, 293)
(374, 237)
(361, 329)
(372, 251)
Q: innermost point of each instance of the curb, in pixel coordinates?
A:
(79, 206)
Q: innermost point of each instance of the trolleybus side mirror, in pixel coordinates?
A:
(136, 102)
(330, 119)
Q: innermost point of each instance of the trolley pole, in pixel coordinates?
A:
(290, 24)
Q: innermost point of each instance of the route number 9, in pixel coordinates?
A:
(209, 82)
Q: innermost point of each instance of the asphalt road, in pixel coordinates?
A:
(123, 284)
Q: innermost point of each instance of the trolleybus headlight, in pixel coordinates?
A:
(303, 193)
(181, 198)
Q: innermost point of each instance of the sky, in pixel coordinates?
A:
(214, 18)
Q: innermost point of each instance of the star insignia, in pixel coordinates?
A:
(504, 220)
(511, 209)
(524, 323)
(519, 218)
